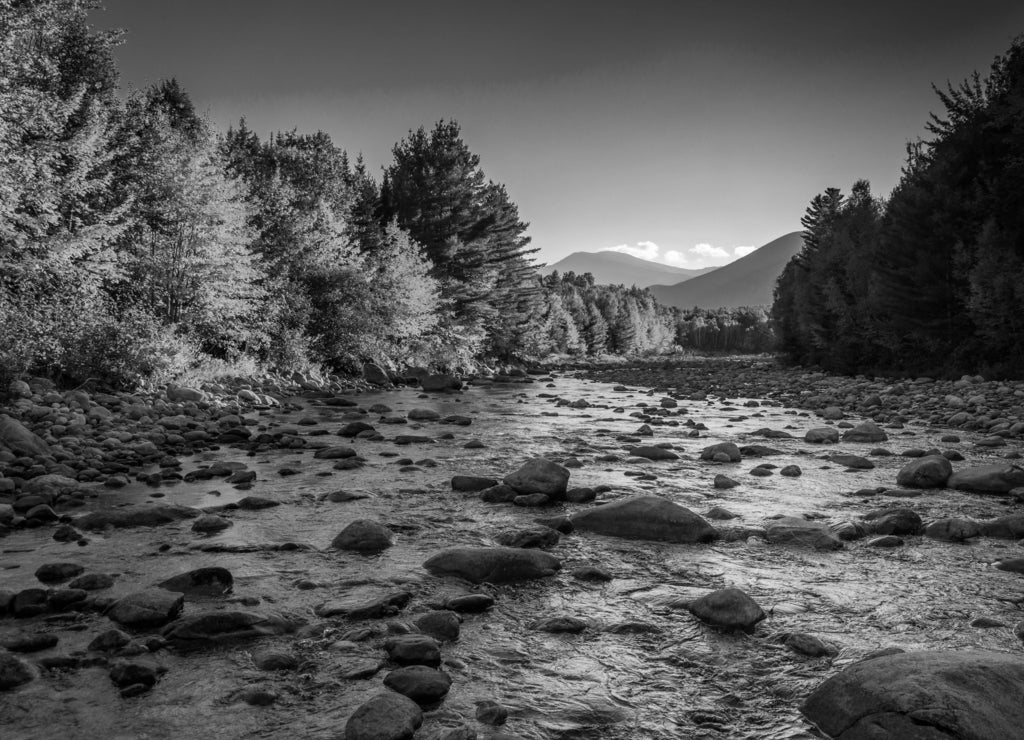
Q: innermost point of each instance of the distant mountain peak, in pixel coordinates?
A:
(618, 268)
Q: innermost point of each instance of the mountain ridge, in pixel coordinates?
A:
(617, 268)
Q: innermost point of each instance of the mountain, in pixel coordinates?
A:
(614, 268)
(749, 281)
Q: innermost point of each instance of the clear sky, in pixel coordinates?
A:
(681, 128)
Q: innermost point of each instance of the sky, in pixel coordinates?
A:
(685, 132)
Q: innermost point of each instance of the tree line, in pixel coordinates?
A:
(930, 280)
(137, 241)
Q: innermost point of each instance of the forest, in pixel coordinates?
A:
(138, 243)
(931, 280)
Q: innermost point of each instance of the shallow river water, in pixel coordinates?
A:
(644, 668)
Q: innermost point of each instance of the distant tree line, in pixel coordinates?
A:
(136, 241)
(931, 280)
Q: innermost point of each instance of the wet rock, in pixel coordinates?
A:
(894, 521)
(58, 572)
(30, 643)
(724, 482)
(560, 623)
(758, 451)
(354, 428)
(126, 673)
(340, 497)
(532, 499)
(791, 471)
(360, 608)
(470, 483)
(809, 645)
(442, 624)
(375, 374)
(582, 495)
(92, 582)
(29, 602)
(491, 713)
(65, 599)
(653, 453)
(413, 650)
(363, 535)
(998, 478)
(539, 476)
(847, 531)
(591, 573)
(387, 716)
(16, 437)
(931, 471)
(422, 684)
(334, 453)
(493, 564)
(211, 628)
(560, 524)
(799, 532)
(729, 608)
(952, 530)
(149, 608)
(181, 394)
(211, 581)
(1009, 527)
(852, 461)
(210, 523)
(151, 515)
(110, 641)
(14, 672)
(720, 513)
(275, 660)
(470, 603)
(1012, 565)
(542, 537)
(866, 431)
(888, 540)
(441, 382)
(969, 694)
(423, 415)
(256, 503)
(645, 518)
(500, 494)
(821, 435)
(717, 451)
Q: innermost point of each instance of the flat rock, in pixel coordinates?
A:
(58, 572)
(149, 608)
(793, 530)
(211, 581)
(1008, 527)
(852, 461)
(471, 483)
(866, 431)
(729, 608)
(16, 437)
(151, 515)
(653, 453)
(387, 716)
(952, 529)
(539, 475)
(931, 471)
(493, 564)
(214, 627)
(414, 650)
(997, 478)
(646, 518)
(929, 695)
(363, 535)
(422, 684)
(821, 435)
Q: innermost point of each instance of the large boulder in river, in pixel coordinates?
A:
(728, 608)
(442, 382)
(866, 431)
(387, 716)
(928, 695)
(931, 471)
(646, 518)
(539, 476)
(792, 530)
(821, 435)
(997, 478)
(493, 564)
(16, 438)
(363, 535)
(375, 374)
(723, 451)
(150, 608)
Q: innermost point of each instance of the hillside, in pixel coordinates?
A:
(615, 268)
(749, 281)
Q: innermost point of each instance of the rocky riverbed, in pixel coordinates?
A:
(717, 549)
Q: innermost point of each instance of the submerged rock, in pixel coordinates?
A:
(646, 518)
(150, 608)
(422, 684)
(493, 564)
(793, 530)
(387, 716)
(209, 628)
(729, 608)
(151, 515)
(363, 535)
(997, 478)
(866, 431)
(211, 581)
(970, 694)
(539, 475)
(653, 453)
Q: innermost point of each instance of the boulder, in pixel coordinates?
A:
(728, 608)
(14, 671)
(215, 627)
(363, 535)
(821, 435)
(539, 475)
(653, 453)
(180, 394)
(866, 431)
(211, 581)
(1009, 527)
(927, 695)
(931, 471)
(852, 461)
(414, 650)
(143, 515)
(894, 521)
(793, 530)
(375, 374)
(422, 684)
(149, 608)
(441, 382)
(997, 478)
(493, 564)
(470, 483)
(646, 518)
(387, 716)
(16, 438)
(728, 449)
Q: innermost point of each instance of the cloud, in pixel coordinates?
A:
(643, 250)
(709, 251)
(675, 257)
(743, 251)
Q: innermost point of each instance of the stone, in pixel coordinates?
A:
(728, 449)
(894, 521)
(30, 643)
(500, 494)
(931, 471)
(728, 608)
(442, 624)
(471, 483)
(422, 684)
(888, 540)
(110, 641)
(149, 608)
(952, 530)
(591, 573)
(216, 627)
(126, 673)
(653, 453)
(180, 394)
(15, 437)
(210, 523)
(852, 461)
(275, 660)
(1008, 527)
(423, 415)
(724, 482)
(927, 695)
(800, 532)
(375, 374)
(413, 650)
(334, 453)
(58, 572)
(539, 475)
(645, 518)
(791, 471)
(560, 623)
(809, 645)
(821, 435)
(363, 535)
(542, 537)
(997, 478)
(493, 564)
(92, 581)
(470, 603)
(866, 431)
(439, 383)
(210, 581)
(149, 515)
(490, 712)
(376, 607)
(387, 716)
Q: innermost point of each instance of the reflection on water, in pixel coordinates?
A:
(643, 669)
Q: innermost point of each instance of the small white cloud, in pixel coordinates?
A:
(709, 251)
(743, 251)
(643, 250)
(675, 257)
